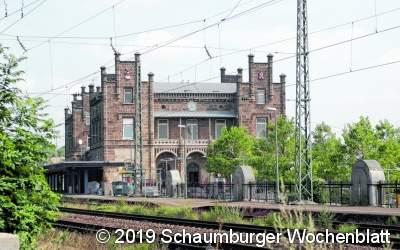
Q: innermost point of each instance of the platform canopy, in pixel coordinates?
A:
(57, 167)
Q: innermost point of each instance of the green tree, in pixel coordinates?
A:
(381, 143)
(232, 149)
(27, 205)
(59, 152)
(264, 152)
(328, 156)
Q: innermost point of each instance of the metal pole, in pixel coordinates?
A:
(184, 160)
(277, 160)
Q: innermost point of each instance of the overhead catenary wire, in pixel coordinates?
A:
(78, 24)
(310, 51)
(19, 19)
(176, 39)
(17, 10)
(255, 8)
(121, 35)
(317, 31)
(293, 37)
(279, 60)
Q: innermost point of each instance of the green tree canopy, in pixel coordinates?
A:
(381, 143)
(27, 205)
(328, 156)
(264, 152)
(233, 148)
(333, 156)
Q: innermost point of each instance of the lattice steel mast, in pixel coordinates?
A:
(303, 161)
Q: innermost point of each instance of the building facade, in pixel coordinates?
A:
(177, 120)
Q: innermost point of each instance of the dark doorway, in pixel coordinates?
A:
(193, 173)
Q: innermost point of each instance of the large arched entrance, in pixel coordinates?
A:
(165, 161)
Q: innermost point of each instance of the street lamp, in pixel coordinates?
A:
(181, 126)
(277, 153)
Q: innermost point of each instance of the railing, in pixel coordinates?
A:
(267, 192)
(177, 142)
(386, 193)
(333, 193)
(166, 142)
(218, 191)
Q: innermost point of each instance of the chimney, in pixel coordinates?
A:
(283, 94)
(91, 89)
(270, 72)
(222, 70)
(117, 56)
(83, 90)
(251, 61)
(239, 75)
(150, 77)
(103, 74)
(75, 97)
(137, 57)
(66, 111)
(282, 78)
(98, 89)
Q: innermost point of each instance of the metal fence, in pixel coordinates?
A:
(333, 194)
(386, 193)
(219, 191)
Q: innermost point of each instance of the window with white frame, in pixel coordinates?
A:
(127, 128)
(192, 129)
(162, 129)
(260, 96)
(220, 124)
(261, 127)
(128, 95)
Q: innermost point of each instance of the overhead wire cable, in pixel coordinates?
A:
(163, 44)
(19, 19)
(169, 42)
(78, 24)
(311, 51)
(311, 33)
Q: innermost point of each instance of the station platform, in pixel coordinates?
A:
(202, 203)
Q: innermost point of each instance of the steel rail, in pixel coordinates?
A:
(92, 229)
(243, 228)
(174, 221)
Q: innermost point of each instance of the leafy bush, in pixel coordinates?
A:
(223, 214)
(325, 219)
(347, 228)
(28, 206)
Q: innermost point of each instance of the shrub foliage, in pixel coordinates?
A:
(27, 205)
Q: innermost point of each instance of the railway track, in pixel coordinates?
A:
(243, 228)
(174, 221)
(93, 228)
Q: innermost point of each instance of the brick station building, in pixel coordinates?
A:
(99, 130)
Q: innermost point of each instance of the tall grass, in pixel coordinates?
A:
(59, 240)
(223, 214)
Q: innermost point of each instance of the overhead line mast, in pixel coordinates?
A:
(303, 162)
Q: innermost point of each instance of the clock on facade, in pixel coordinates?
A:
(192, 106)
(261, 76)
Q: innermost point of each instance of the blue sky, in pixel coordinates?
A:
(336, 101)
